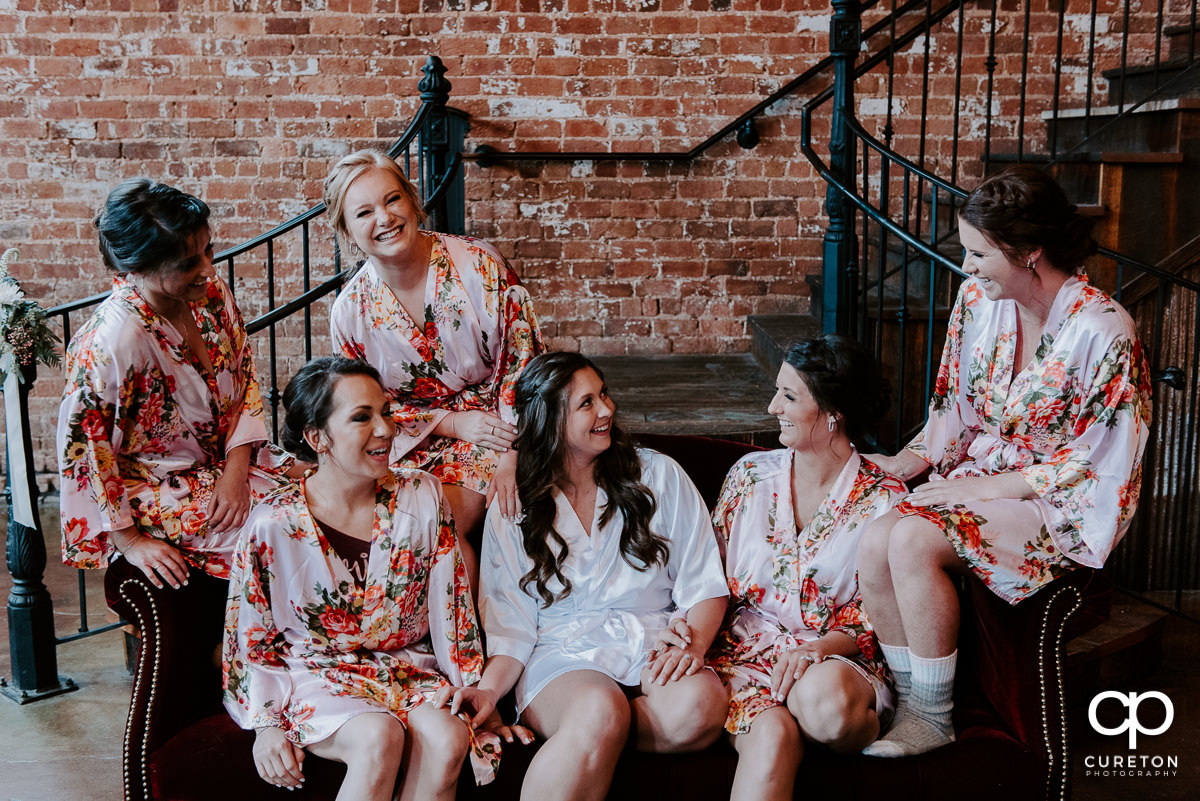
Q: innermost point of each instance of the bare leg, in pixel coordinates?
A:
(835, 705)
(768, 757)
(679, 716)
(922, 561)
(437, 744)
(875, 580)
(372, 747)
(468, 510)
(584, 717)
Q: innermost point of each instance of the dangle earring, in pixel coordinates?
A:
(1030, 265)
(831, 424)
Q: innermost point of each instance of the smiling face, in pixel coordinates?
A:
(587, 421)
(381, 219)
(802, 425)
(999, 277)
(185, 280)
(357, 439)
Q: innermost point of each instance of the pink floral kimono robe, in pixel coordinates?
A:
(1073, 422)
(306, 648)
(143, 430)
(478, 334)
(790, 586)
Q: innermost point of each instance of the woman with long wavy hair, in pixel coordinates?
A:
(614, 544)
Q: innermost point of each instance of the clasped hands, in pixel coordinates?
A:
(675, 655)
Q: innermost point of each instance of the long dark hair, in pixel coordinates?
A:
(542, 394)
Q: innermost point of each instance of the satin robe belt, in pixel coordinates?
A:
(991, 454)
(758, 637)
(598, 638)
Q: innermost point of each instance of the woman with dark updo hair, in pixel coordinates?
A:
(796, 649)
(614, 544)
(350, 616)
(1035, 435)
(161, 440)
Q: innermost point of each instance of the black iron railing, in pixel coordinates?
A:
(891, 255)
(274, 272)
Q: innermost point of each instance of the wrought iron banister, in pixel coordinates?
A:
(897, 214)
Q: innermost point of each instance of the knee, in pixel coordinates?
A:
(915, 544)
(599, 718)
(826, 712)
(770, 736)
(696, 721)
(873, 549)
(447, 741)
(378, 743)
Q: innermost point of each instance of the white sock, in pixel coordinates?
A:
(927, 724)
(899, 662)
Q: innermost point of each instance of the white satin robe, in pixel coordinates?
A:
(614, 613)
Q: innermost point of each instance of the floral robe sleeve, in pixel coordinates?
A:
(478, 333)
(790, 586)
(1074, 422)
(306, 648)
(143, 429)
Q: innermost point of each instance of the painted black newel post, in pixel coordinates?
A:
(31, 639)
(435, 139)
(840, 270)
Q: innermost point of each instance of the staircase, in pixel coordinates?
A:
(1136, 160)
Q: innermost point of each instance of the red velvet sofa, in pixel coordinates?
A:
(1010, 711)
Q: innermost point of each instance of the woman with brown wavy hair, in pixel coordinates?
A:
(615, 542)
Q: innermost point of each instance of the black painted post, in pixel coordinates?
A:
(839, 248)
(435, 138)
(31, 638)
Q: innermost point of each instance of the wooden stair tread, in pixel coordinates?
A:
(1132, 623)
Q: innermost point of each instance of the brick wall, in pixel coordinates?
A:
(248, 102)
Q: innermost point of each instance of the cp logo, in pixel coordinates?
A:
(1131, 723)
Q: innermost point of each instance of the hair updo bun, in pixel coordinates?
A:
(146, 225)
(1022, 209)
(308, 399)
(844, 378)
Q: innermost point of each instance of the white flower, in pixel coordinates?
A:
(10, 293)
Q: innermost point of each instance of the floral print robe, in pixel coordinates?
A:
(306, 648)
(478, 334)
(1074, 422)
(143, 429)
(790, 586)
(614, 613)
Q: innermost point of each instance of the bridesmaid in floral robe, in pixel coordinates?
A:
(350, 618)
(449, 327)
(1036, 428)
(161, 441)
(796, 648)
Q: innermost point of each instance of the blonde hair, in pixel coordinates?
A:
(345, 172)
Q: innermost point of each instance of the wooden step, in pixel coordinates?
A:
(1122, 650)
(773, 334)
(723, 396)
